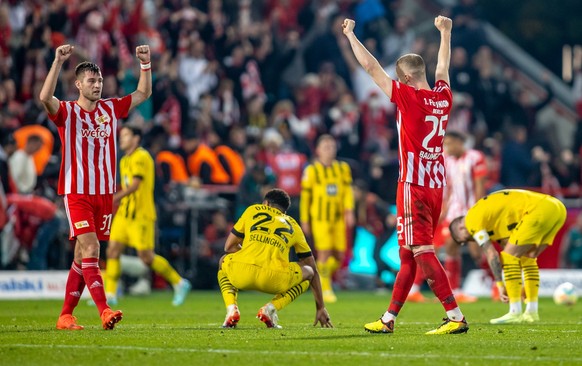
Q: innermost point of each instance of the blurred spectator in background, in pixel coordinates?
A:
(343, 123)
(22, 168)
(517, 164)
(254, 184)
(464, 77)
(287, 165)
(7, 148)
(398, 42)
(195, 70)
(466, 16)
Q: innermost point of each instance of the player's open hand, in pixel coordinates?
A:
(322, 317)
(348, 26)
(443, 24)
(143, 53)
(64, 52)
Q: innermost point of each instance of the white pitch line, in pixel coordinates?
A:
(301, 353)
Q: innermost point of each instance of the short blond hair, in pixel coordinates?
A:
(411, 63)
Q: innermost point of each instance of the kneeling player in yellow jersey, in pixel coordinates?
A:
(527, 222)
(135, 220)
(258, 259)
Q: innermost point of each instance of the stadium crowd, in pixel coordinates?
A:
(241, 91)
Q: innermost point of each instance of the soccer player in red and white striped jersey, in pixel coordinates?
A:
(422, 117)
(88, 131)
(466, 173)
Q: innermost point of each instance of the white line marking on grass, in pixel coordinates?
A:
(300, 353)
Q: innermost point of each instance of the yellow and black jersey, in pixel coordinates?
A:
(268, 234)
(326, 192)
(139, 204)
(496, 215)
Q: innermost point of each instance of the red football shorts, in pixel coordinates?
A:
(89, 214)
(417, 212)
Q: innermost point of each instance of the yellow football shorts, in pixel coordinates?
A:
(329, 235)
(540, 225)
(245, 276)
(139, 234)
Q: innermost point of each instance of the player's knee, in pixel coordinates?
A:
(113, 251)
(220, 261)
(146, 256)
(307, 272)
(421, 249)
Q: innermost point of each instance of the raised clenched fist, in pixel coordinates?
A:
(143, 53)
(63, 52)
(348, 26)
(443, 23)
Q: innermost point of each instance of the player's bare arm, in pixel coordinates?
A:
(321, 315)
(444, 25)
(365, 58)
(232, 244)
(496, 268)
(134, 186)
(47, 98)
(144, 85)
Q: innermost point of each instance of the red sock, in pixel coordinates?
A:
(453, 270)
(437, 278)
(73, 289)
(419, 277)
(94, 282)
(403, 282)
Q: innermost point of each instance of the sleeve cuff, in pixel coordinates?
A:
(237, 234)
(304, 255)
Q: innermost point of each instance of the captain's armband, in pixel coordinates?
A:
(481, 237)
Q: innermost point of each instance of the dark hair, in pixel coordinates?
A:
(456, 135)
(455, 223)
(324, 137)
(136, 131)
(34, 139)
(86, 66)
(278, 197)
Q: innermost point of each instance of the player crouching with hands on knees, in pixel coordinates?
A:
(258, 259)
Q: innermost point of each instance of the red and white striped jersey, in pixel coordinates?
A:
(89, 145)
(461, 175)
(421, 120)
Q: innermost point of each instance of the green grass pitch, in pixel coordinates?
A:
(155, 333)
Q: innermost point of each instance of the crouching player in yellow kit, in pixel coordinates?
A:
(527, 222)
(135, 221)
(258, 259)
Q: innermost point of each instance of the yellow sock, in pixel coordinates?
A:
(324, 275)
(282, 300)
(162, 267)
(531, 276)
(512, 274)
(332, 264)
(228, 291)
(111, 276)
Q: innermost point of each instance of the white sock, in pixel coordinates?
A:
(531, 307)
(388, 317)
(177, 286)
(515, 307)
(414, 288)
(455, 314)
